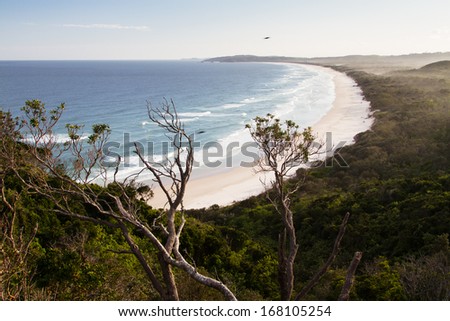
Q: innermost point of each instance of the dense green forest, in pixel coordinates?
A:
(396, 189)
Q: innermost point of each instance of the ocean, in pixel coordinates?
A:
(213, 100)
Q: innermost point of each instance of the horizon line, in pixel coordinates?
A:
(236, 55)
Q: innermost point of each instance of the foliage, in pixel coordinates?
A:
(283, 145)
(396, 188)
(381, 282)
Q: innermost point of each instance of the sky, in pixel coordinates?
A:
(176, 29)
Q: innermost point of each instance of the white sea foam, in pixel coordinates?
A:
(307, 102)
(232, 106)
(194, 114)
(51, 138)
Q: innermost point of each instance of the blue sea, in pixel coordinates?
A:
(214, 100)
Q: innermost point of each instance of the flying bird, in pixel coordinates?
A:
(265, 38)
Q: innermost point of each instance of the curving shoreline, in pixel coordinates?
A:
(348, 116)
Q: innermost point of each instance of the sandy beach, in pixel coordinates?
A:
(348, 116)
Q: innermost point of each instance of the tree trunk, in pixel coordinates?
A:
(138, 254)
(171, 293)
(345, 293)
(181, 263)
(282, 266)
(288, 249)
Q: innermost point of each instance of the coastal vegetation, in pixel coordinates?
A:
(73, 189)
(396, 189)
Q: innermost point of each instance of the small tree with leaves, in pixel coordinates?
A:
(284, 147)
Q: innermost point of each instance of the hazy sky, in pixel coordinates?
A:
(172, 29)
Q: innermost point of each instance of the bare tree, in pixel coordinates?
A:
(427, 277)
(284, 148)
(346, 288)
(172, 177)
(114, 205)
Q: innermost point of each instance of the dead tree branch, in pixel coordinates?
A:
(114, 207)
(313, 282)
(345, 293)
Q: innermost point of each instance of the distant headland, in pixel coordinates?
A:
(371, 63)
